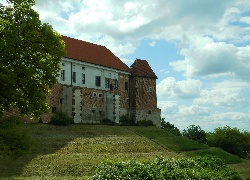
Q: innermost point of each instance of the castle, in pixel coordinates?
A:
(95, 84)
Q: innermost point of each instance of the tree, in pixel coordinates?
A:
(231, 140)
(170, 127)
(195, 133)
(30, 55)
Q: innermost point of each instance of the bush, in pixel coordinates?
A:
(145, 123)
(170, 127)
(195, 133)
(231, 140)
(107, 121)
(193, 168)
(125, 120)
(61, 118)
(14, 140)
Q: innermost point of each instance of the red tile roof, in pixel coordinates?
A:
(141, 68)
(92, 53)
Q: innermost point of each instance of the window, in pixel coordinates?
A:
(150, 89)
(63, 64)
(62, 75)
(126, 86)
(98, 81)
(83, 78)
(83, 68)
(115, 83)
(100, 95)
(94, 94)
(53, 109)
(74, 77)
(106, 82)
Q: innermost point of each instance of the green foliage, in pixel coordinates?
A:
(170, 127)
(30, 53)
(195, 168)
(125, 120)
(195, 133)
(107, 121)
(231, 140)
(61, 118)
(14, 141)
(145, 123)
(217, 152)
(168, 140)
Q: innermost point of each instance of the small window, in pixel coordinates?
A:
(61, 100)
(127, 100)
(100, 95)
(74, 77)
(83, 68)
(106, 82)
(63, 64)
(94, 94)
(115, 84)
(62, 75)
(126, 86)
(83, 78)
(53, 109)
(98, 81)
(150, 89)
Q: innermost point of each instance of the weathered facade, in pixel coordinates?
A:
(95, 84)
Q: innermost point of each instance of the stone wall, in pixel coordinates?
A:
(89, 105)
(143, 101)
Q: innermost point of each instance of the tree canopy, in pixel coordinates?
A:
(30, 55)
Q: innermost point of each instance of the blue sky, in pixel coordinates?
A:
(200, 50)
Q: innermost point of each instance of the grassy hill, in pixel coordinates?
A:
(72, 152)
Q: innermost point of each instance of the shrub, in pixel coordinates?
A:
(61, 118)
(14, 140)
(193, 168)
(145, 123)
(170, 127)
(231, 140)
(125, 120)
(107, 121)
(195, 133)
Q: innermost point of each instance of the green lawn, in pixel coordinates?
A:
(72, 152)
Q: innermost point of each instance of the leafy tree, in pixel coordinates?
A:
(231, 140)
(170, 127)
(30, 52)
(195, 133)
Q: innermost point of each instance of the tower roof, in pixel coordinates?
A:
(92, 53)
(141, 68)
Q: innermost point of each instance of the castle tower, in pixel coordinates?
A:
(143, 100)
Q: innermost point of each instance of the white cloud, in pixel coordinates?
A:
(185, 89)
(152, 44)
(225, 94)
(204, 57)
(245, 19)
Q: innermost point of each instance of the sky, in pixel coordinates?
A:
(200, 51)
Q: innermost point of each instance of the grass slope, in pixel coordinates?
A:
(72, 152)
